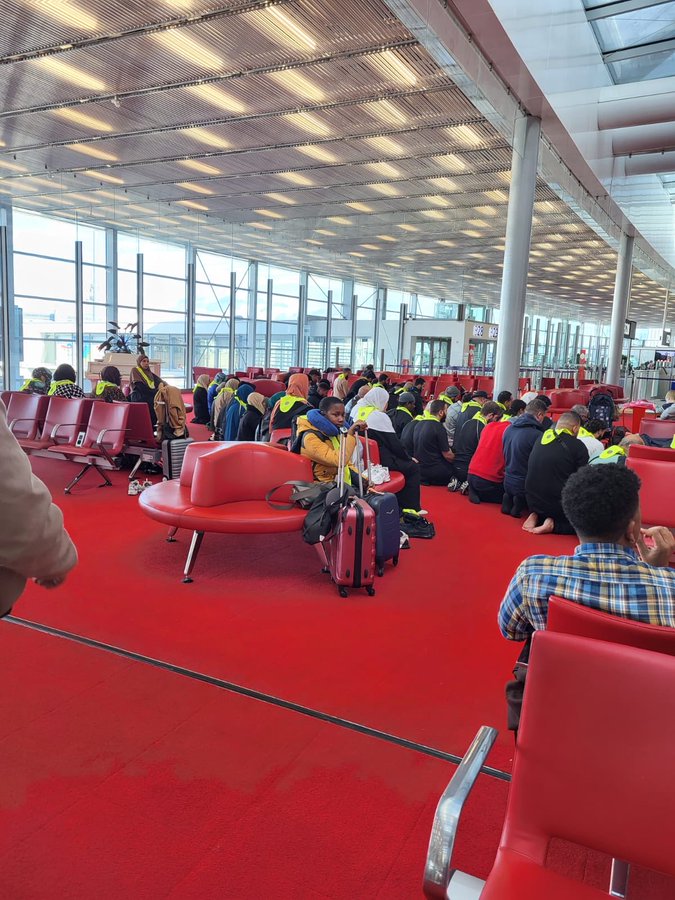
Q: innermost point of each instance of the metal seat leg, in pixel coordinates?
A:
(618, 878)
(197, 537)
(170, 538)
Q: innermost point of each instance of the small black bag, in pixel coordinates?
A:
(322, 515)
(515, 689)
(417, 527)
(303, 494)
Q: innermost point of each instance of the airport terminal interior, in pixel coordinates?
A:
(474, 193)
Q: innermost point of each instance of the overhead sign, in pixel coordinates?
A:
(485, 332)
(629, 329)
(666, 337)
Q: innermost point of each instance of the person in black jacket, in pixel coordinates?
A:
(256, 405)
(317, 391)
(430, 445)
(553, 459)
(402, 414)
(200, 404)
(466, 441)
(518, 441)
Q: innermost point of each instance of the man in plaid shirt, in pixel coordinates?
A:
(618, 567)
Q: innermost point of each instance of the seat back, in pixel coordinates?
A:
(113, 417)
(246, 471)
(140, 426)
(68, 414)
(566, 383)
(548, 384)
(658, 428)
(466, 382)
(6, 396)
(566, 399)
(485, 383)
(594, 752)
(641, 451)
(204, 370)
(567, 617)
(26, 413)
(373, 449)
(193, 452)
(268, 387)
(657, 491)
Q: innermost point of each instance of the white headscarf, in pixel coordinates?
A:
(378, 420)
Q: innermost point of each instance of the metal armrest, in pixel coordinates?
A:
(52, 436)
(103, 433)
(437, 871)
(14, 421)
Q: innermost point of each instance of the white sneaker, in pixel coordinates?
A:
(146, 484)
(134, 488)
(453, 484)
(464, 487)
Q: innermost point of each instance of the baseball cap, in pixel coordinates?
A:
(451, 391)
(480, 394)
(406, 397)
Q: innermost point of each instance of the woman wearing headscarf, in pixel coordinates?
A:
(109, 386)
(249, 422)
(271, 406)
(293, 403)
(144, 385)
(38, 383)
(235, 412)
(200, 403)
(371, 409)
(64, 385)
(224, 397)
(214, 387)
(350, 404)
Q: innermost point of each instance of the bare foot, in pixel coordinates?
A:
(530, 522)
(546, 528)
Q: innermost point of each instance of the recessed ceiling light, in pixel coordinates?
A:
(326, 232)
(386, 112)
(181, 44)
(204, 136)
(317, 152)
(361, 207)
(296, 178)
(101, 176)
(67, 12)
(209, 93)
(197, 166)
(451, 162)
(13, 167)
(356, 253)
(263, 225)
(296, 83)
(370, 246)
(391, 65)
(308, 122)
(387, 237)
(340, 220)
(385, 188)
(406, 227)
(281, 28)
(195, 188)
(282, 198)
(67, 72)
(466, 136)
(385, 145)
(432, 213)
(386, 169)
(80, 118)
(269, 213)
(191, 204)
(92, 150)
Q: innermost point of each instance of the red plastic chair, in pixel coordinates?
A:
(104, 439)
(595, 740)
(26, 414)
(396, 481)
(657, 491)
(658, 428)
(641, 451)
(268, 387)
(63, 421)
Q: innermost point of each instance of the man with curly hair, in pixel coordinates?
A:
(619, 567)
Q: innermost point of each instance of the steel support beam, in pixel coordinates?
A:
(232, 337)
(619, 307)
(191, 304)
(79, 312)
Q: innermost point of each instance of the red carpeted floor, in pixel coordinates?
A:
(259, 795)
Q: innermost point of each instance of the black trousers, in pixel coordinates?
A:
(513, 504)
(440, 473)
(487, 491)
(409, 496)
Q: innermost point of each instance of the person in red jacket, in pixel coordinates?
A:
(486, 469)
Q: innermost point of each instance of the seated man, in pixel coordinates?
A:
(317, 391)
(466, 442)
(590, 435)
(430, 445)
(517, 444)
(486, 469)
(553, 459)
(404, 413)
(616, 454)
(618, 567)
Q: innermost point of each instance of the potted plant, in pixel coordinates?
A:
(123, 340)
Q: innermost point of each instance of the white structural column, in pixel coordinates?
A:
(517, 251)
(619, 307)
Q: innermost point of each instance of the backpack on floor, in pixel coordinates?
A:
(601, 407)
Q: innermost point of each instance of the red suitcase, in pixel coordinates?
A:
(349, 551)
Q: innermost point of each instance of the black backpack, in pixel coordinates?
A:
(601, 407)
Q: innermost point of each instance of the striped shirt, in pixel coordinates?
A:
(607, 577)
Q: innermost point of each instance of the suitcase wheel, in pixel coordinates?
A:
(370, 590)
(343, 592)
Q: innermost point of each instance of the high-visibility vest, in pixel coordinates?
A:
(287, 403)
(53, 386)
(364, 412)
(148, 379)
(27, 383)
(672, 446)
(469, 403)
(550, 435)
(405, 410)
(102, 385)
(480, 418)
(583, 432)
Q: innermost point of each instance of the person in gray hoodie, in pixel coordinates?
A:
(518, 441)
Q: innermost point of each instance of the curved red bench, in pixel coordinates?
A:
(658, 428)
(642, 451)
(657, 491)
(222, 489)
(396, 481)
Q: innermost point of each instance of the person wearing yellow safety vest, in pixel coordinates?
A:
(224, 398)
(471, 404)
(553, 459)
(319, 437)
(294, 403)
(408, 433)
(38, 383)
(504, 399)
(144, 384)
(403, 414)
(200, 401)
(589, 435)
(466, 442)
(109, 386)
(616, 454)
(63, 384)
(430, 445)
(487, 465)
(341, 384)
(372, 410)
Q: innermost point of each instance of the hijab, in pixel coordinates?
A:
(298, 386)
(378, 420)
(235, 411)
(257, 401)
(203, 381)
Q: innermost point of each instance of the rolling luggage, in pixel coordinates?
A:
(349, 551)
(172, 457)
(387, 526)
